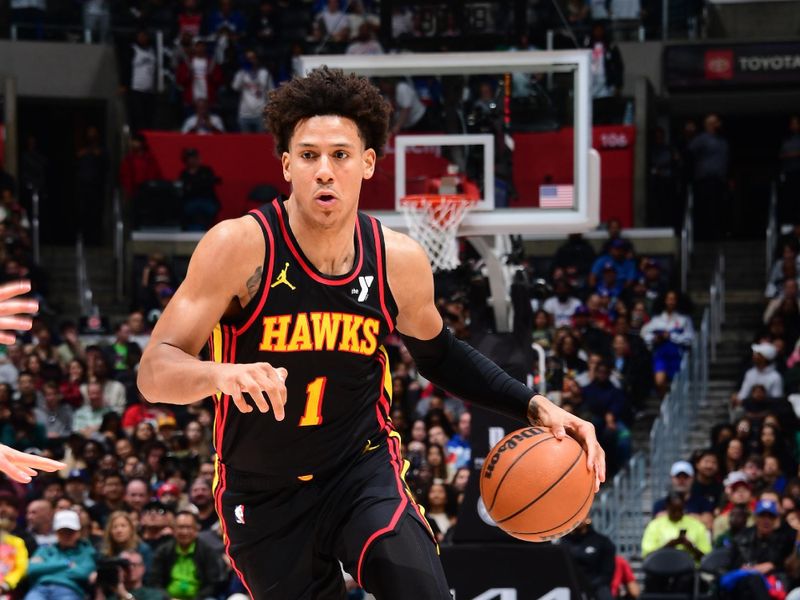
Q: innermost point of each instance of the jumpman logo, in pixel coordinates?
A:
(282, 279)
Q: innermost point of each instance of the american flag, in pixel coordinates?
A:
(555, 196)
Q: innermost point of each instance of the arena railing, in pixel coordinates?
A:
(617, 510)
(35, 226)
(78, 30)
(541, 360)
(669, 434)
(119, 247)
(772, 230)
(85, 296)
(687, 239)
(716, 304)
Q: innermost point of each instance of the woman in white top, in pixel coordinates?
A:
(254, 82)
(668, 335)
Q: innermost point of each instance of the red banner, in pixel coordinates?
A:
(245, 161)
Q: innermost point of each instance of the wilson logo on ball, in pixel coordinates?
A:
(510, 444)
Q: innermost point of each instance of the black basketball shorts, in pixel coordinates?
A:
(285, 538)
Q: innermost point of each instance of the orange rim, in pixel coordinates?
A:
(420, 199)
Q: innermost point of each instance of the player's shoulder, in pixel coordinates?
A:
(233, 241)
(407, 265)
(233, 232)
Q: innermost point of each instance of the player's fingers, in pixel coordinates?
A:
(273, 385)
(282, 375)
(591, 458)
(601, 464)
(12, 470)
(16, 323)
(16, 307)
(15, 288)
(6, 338)
(41, 463)
(279, 401)
(595, 456)
(599, 468)
(255, 385)
(558, 431)
(240, 402)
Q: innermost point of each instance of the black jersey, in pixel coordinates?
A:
(328, 333)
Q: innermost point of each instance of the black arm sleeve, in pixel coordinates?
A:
(463, 371)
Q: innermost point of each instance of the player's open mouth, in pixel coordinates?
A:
(326, 198)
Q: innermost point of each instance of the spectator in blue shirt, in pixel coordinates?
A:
(609, 284)
(227, 16)
(625, 267)
(459, 450)
(601, 397)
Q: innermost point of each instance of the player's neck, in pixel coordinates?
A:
(330, 249)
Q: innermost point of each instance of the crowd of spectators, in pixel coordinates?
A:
(733, 506)
(231, 54)
(207, 67)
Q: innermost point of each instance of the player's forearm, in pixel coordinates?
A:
(169, 375)
(466, 373)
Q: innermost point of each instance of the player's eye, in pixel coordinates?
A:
(340, 154)
(307, 155)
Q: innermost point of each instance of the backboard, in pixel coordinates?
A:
(572, 196)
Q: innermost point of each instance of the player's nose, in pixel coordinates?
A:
(324, 171)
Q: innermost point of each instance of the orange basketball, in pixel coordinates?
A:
(535, 487)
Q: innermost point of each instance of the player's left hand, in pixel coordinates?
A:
(542, 411)
(12, 307)
(20, 466)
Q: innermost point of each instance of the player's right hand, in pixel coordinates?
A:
(256, 379)
(11, 307)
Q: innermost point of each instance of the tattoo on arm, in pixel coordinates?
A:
(254, 281)
(533, 412)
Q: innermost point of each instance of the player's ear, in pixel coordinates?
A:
(285, 164)
(369, 157)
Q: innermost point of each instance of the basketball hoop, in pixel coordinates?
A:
(433, 221)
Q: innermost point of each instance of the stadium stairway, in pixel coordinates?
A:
(59, 264)
(745, 279)
(744, 305)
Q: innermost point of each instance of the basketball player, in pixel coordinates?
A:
(18, 465)
(295, 300)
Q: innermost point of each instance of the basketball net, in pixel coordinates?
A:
(433, 221)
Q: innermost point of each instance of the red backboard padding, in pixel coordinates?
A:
(244, 161)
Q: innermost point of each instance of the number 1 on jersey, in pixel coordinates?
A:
(314, 393)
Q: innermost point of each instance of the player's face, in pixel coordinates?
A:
(326, 164)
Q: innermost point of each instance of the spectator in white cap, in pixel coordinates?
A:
(762, 372)
(682, 477)
(61, 571)
(739, 492)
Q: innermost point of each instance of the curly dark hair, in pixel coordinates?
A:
(328, 92)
